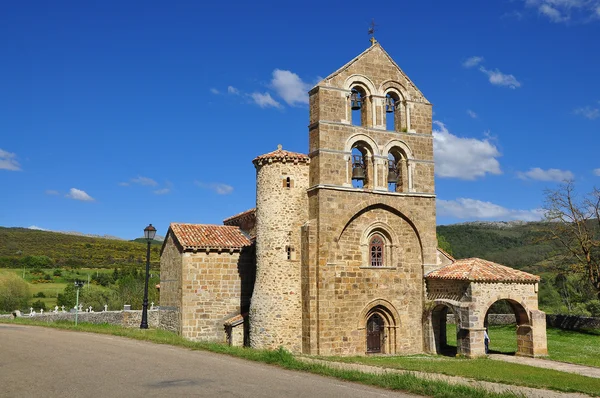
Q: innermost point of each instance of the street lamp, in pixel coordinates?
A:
(78, 285)
(149, 233)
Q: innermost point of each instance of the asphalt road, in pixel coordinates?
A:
(42, 362)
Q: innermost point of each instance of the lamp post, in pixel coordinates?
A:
(78, 285)
(149, 233)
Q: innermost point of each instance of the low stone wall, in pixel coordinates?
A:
(572, 322)
(565, 322)
(158, 319)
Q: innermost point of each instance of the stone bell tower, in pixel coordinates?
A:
(371, 228)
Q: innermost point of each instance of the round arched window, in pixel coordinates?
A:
(376, 251)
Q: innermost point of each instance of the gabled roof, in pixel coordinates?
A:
(205, 236)
(446, 254)
(239, 216)
(479, 270)
(364, 54)
(283, 156)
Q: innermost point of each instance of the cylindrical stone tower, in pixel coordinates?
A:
(281, 210)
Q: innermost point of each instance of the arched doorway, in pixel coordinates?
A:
(513, 338)
(375, 334)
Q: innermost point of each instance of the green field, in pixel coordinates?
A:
(51, 288)
(566, 346)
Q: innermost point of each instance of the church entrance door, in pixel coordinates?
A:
(374, 334)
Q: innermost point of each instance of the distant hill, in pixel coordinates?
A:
(71, 250)
(515, 244)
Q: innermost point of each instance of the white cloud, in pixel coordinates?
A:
(474, 209)
(539, 174)
(498, 78)
(264, 100)
(165, 190)
(588, 112)
(596, 172)
(124, 184)
(233, 90)
(8, 161)
(290, 87)
(144, 181)
(472, 114)
(472, 61)
(219, 188)
(78, 194)
(565, 11)
(464, 158)
(215, 91)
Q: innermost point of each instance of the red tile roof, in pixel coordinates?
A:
(479, 270)
(203, 236)
(243, 214)
(282, 155)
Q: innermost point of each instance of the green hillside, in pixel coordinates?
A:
(26, 247)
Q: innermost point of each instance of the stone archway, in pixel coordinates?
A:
(379, 321)
(524, 327)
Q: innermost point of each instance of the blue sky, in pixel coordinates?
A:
(118, 114)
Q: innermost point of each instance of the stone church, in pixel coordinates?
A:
(339, 256)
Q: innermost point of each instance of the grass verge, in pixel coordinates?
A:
(486, 370)
(283, 359)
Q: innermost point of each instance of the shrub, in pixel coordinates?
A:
(39, 305)
(57, 272)
(40, 295)
(14, 293)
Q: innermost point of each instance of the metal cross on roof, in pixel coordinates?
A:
(372, 31)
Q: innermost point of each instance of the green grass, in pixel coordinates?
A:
(563, 345)
(567, 346)
(283, 359)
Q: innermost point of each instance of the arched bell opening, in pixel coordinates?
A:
(397, 175)
(444, 335)
(509, 339)
(392, 111)
(361, 165)
(358, 106)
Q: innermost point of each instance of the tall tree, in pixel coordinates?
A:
(574, 223)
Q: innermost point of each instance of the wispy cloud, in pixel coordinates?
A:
(233, 90)
(51, 192)
(472, 61)
(264, 100)
(8, 161)
(539, 174)
(472, 114)
(473, 209)
(566, 11)
(463, 158)
(290, 87)
(498, 78)
(144, 181)
(215, 91)
(78, 194)
(219, 188)
(588, 112)
(596, 172)
(165, 190)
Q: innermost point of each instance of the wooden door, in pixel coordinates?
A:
(374, 334)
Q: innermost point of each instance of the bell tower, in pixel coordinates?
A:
(371, 180)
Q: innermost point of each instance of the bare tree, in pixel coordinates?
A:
(574, 223)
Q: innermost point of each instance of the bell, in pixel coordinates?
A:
(355, 101)
(358, 173)
(358, 169)
(389, 105)
(392, 177)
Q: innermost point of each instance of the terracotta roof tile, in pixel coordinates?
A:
(282, 155)
(239, 215)
(203, 236)
(479, 270)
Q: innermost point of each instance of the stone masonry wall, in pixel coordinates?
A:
(170, 276)
(212, 291)
(275, 313)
